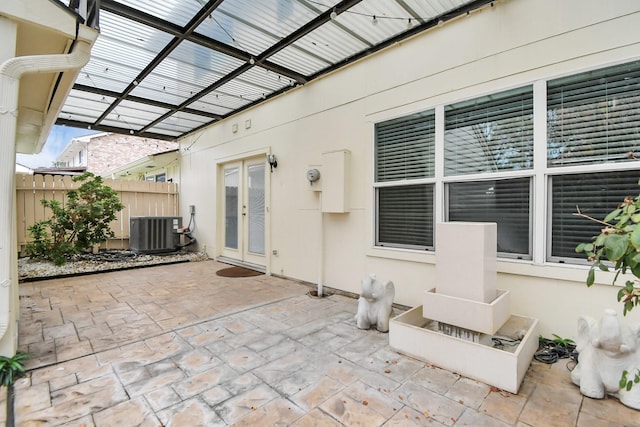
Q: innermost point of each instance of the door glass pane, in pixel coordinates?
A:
(256, 209)
(231, 208)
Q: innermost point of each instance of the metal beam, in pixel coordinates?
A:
(468, 7)
(227, 78)
(166, 51)
(114, 129)
(145, 101)
(307, 28)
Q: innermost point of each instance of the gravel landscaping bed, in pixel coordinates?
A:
(29, 270)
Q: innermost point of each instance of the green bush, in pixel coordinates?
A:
(83, 221)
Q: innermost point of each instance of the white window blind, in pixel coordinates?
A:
(594, 117)
(490, 133)
(405, 147)
(596, 194)
(505, 202)
(405, 216)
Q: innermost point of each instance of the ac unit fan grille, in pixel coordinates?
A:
(154, 234)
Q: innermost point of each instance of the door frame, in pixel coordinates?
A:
(237, 257)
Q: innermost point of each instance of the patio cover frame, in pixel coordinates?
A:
(167, 69)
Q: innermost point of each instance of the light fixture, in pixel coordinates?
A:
(409, 23)
(273, 162)
(333, 14)
(374, 21)
(252, 61)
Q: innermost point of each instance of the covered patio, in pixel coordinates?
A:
(177, 345)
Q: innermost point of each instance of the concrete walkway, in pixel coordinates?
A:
(177, 345)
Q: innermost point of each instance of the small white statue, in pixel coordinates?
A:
(374, 304)
(606, 349)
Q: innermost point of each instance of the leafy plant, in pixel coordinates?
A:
(550, 350)
(618, 243)
(76, 226)
(564, 342)
(626, 383)
(12, 368)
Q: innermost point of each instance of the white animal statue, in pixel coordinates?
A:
(374, 304)
(606, 349)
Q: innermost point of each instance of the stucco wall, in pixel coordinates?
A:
(496, 48)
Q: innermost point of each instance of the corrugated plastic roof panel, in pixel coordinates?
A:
(164, 69)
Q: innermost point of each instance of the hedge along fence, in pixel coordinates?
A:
(140, 198)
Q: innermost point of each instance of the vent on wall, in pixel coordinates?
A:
(152, 234)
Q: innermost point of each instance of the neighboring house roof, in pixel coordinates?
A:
(60, 171)
(144, 164)
(23, 169)
(72, 146)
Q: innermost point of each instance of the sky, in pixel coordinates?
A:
(58, 138)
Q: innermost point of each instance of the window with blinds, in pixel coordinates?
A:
(405, 147)
(405, 216)
(594, 117)
(596, 194)
(490, 134)
(506, 202)
(404, 152)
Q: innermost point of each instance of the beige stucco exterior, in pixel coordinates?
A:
(496, 48)
(37, 70)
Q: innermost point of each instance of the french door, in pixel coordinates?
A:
(244, 211)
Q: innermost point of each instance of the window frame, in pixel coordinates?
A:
(540, 177)
(377, 242)
(429, 179)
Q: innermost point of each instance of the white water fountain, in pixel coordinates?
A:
(459, 319)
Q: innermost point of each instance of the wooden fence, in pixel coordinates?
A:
(140, 198)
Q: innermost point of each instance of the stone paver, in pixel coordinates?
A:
(177, 345)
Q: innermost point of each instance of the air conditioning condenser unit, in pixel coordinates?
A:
(154, 234)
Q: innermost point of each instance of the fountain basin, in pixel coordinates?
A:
(469, 314)
(505, 369)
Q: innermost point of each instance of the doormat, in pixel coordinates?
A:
(237, 272)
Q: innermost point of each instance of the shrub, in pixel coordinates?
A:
(83, 221)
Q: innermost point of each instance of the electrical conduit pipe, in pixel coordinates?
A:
(10, 73)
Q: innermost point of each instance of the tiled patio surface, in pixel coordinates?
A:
(177, 345)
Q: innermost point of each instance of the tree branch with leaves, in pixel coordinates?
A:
(619, 244)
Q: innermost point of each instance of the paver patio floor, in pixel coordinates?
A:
(177, 345)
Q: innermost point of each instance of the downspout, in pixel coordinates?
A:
(320, 291)
(10, 73)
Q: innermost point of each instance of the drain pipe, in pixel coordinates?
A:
(10, 73)
(320, 290)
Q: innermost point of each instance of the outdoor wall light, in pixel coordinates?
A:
(273, 162)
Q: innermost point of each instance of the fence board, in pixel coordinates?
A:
(140, 198)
